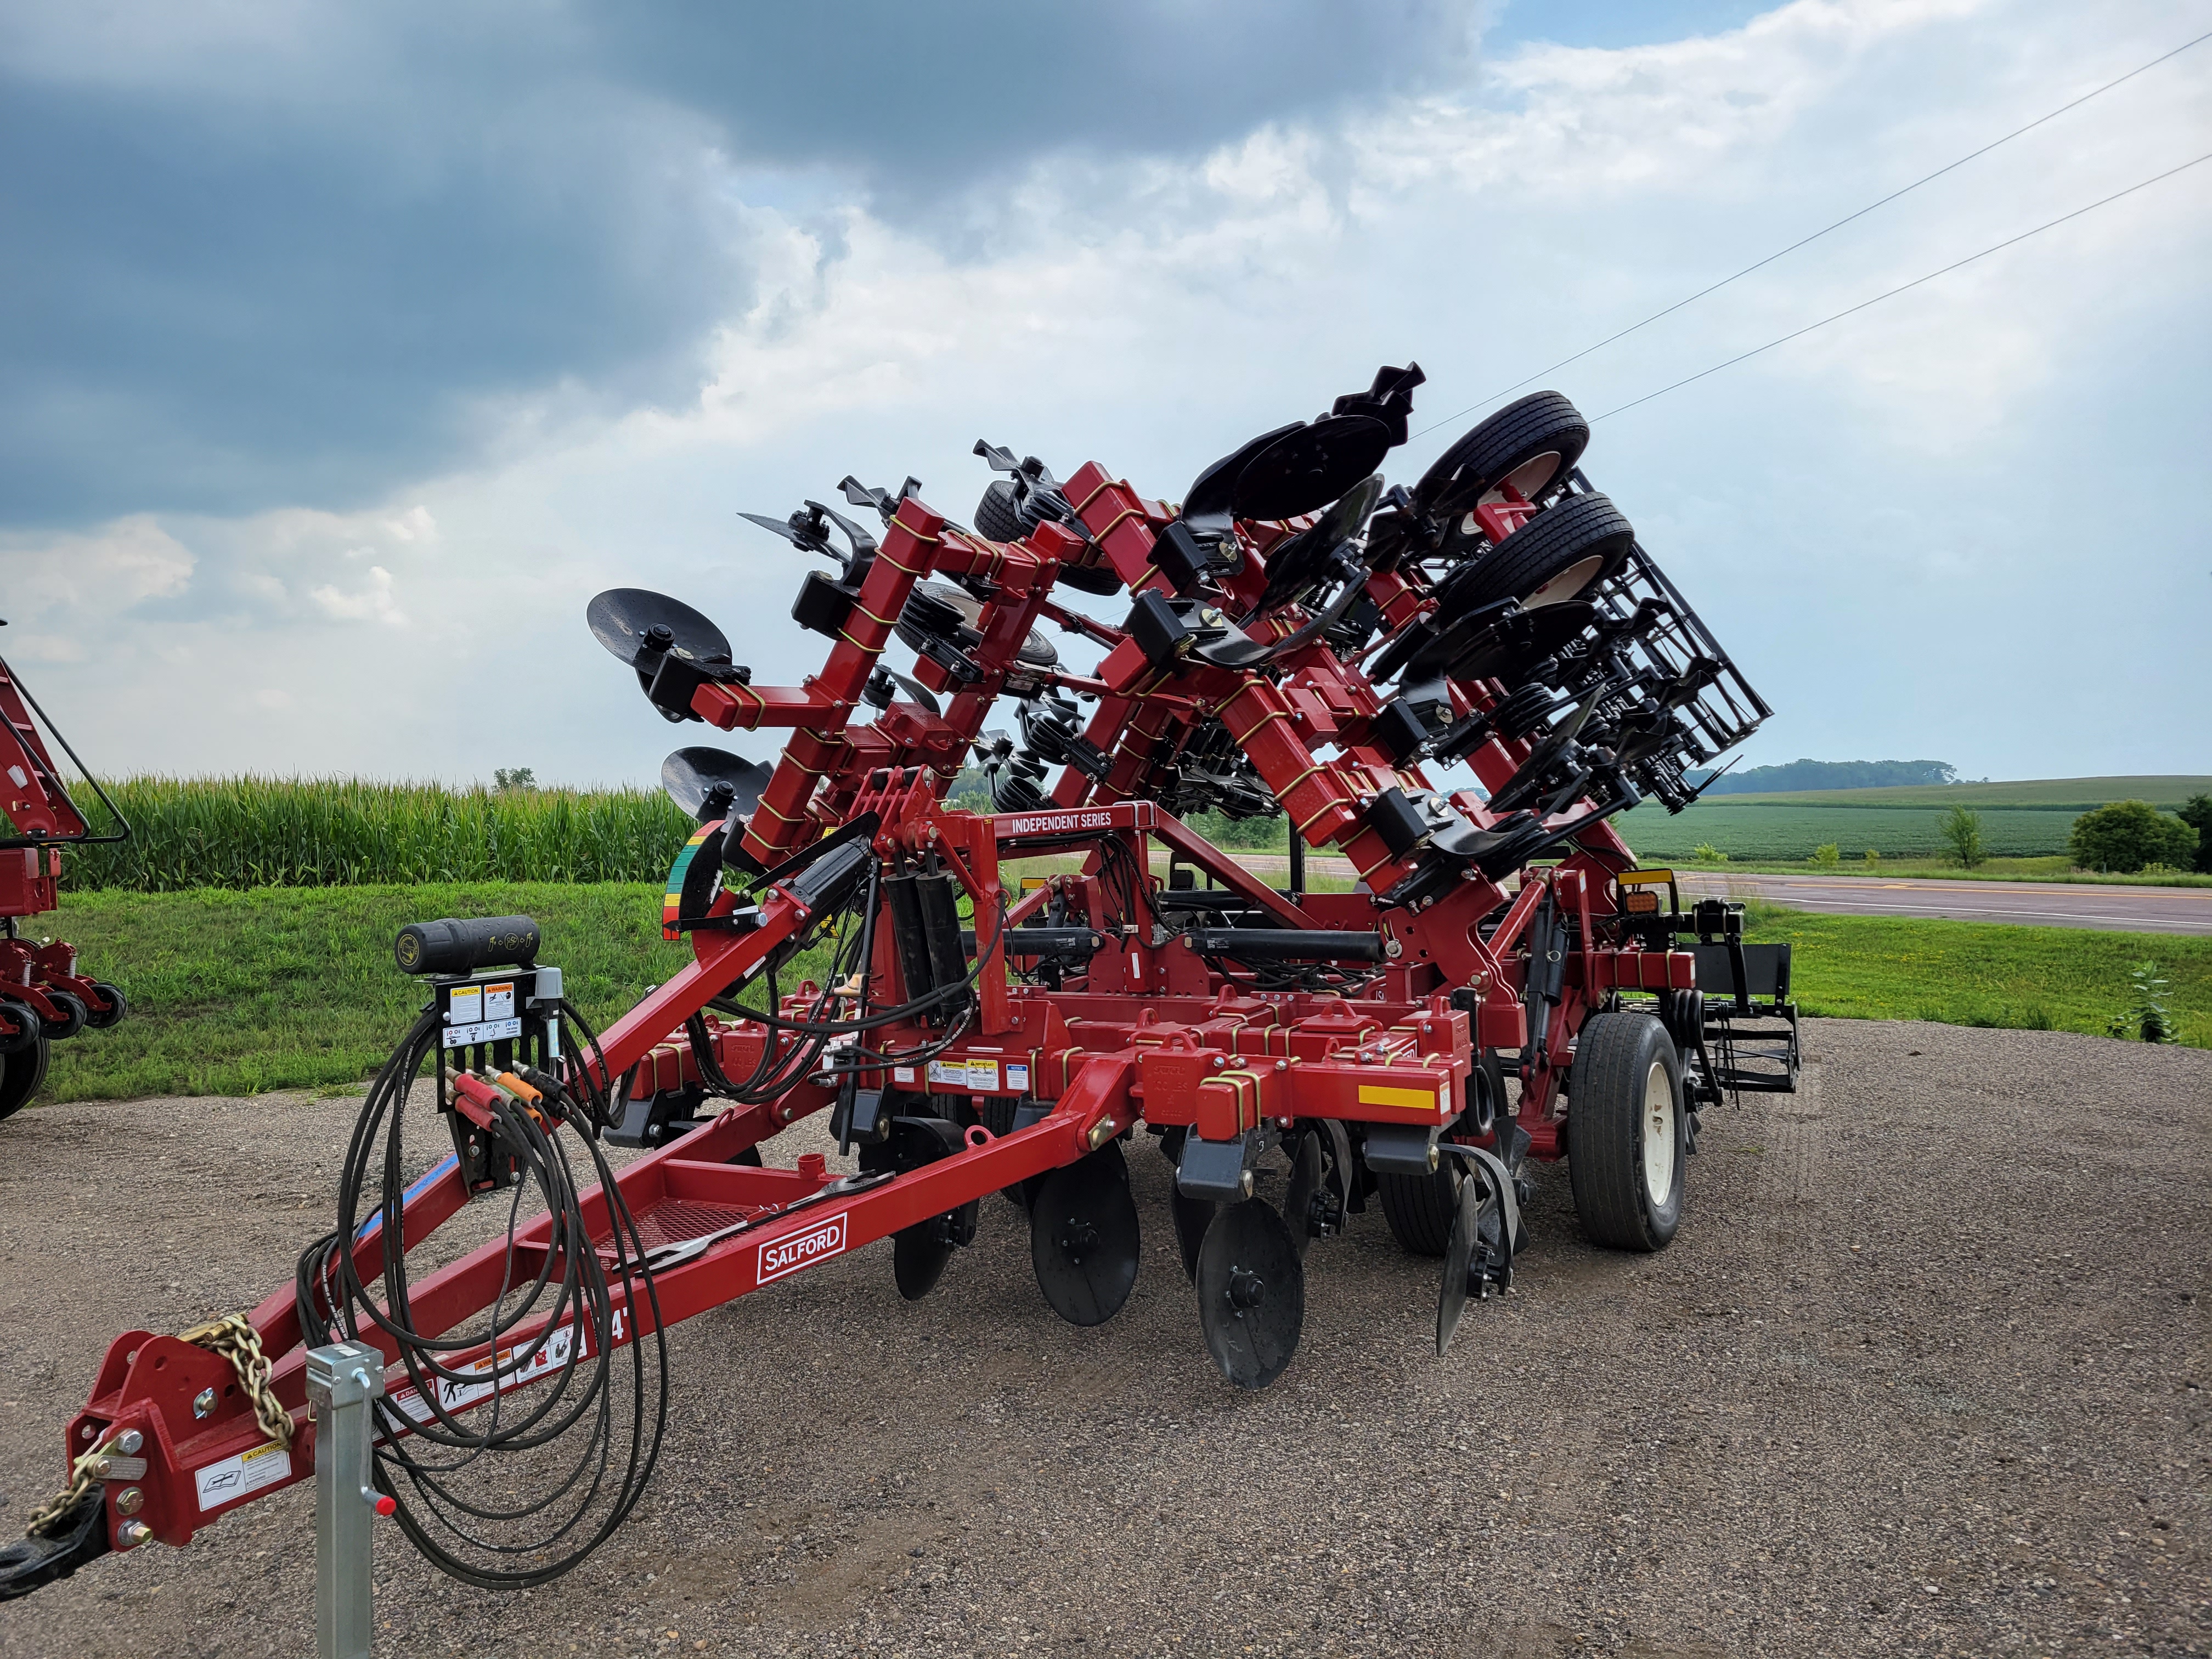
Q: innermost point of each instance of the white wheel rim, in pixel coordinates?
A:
(1533, 474)
(1564, 586)
(1658, 1133)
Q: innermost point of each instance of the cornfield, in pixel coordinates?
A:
(334, 832)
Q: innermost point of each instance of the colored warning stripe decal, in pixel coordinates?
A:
(672, 902)
(1418, 1100)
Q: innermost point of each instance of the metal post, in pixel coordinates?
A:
(1298, 866)
(344, 1380)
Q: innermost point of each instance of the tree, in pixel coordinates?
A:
(2197, 815)
(2128, 834)
(504, 778)
(1961, 827)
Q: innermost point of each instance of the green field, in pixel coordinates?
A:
(1783, 833)
(2163, 790)
(237, 993)
(249, 832)
(2028, 819)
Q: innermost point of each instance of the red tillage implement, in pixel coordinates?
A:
(1297, 640)
(43, 998)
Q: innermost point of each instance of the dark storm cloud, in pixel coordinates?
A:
(924, 96)
(235, 276)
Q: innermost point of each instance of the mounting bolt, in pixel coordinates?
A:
(130, 1501)
(128, 1442)
(131, 1534)
(203, 1403)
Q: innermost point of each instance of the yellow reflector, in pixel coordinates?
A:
(1645, 877)
(1417, 1100)
(1031, 883)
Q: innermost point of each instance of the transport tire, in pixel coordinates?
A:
(21, 1075)
(1420, 1208)
(1529, 444)
(996, 518)
(1553, 557)
(1626, 1144)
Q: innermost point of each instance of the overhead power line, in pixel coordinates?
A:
(1955, 264)
(1907, 190)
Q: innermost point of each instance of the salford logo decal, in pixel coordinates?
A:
(779, 1256)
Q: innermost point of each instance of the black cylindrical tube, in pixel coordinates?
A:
(1043, 941)
(462, 946)
(1292, 943)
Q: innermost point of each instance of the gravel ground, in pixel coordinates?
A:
(1924, 1373)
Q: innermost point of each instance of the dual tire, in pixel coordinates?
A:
(1528, 444)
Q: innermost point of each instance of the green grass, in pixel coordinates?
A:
(251, 832)
(2166, 790)
(239, 993)
(295, 989)
(1781, 832)
(2027, 819)
(2055, 868)
(1974, 973)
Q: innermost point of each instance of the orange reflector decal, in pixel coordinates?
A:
(1416, 1100)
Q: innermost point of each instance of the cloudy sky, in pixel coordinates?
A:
(346, 351)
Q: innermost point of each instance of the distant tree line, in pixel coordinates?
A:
(1829, 775)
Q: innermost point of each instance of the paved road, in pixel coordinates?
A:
(2042, 903)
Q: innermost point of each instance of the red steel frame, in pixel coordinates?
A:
(1150, 1032)
(32, 798)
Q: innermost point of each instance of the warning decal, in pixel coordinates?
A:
(232, 1478)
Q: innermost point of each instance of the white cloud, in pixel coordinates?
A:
(1878, 519)
(375, 603)
(119, 565)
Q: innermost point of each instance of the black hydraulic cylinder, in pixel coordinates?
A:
(940, 927)
(1044, 941)
(906, 932)
(464, 944)
(1288, 944)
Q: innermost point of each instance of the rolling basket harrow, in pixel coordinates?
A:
(1502, 983)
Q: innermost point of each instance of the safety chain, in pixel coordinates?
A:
(234, 1337)
(44, 1518)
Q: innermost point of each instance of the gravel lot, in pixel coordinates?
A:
(1925, 1372)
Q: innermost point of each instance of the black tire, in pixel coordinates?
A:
(74, 1016)
(21, 1075)
(117, 1007)
(1419, 1208)
(1608, 1166)
(1555, 556)
(996, 521)
(1517, 438)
